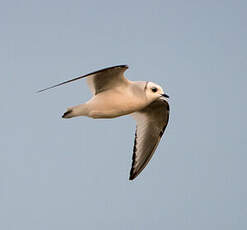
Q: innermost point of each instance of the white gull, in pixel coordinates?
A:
(114, 96)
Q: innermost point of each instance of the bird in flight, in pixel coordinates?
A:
(114, 96)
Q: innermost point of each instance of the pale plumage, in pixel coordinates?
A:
(114, 96)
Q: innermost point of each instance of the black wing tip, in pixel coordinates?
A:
(131, 177)
(133, 174)
(41, 90)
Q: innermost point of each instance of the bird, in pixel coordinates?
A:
(114, 96)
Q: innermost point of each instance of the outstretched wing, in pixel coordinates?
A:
(107, 78)
(151, 124)
(100, 80)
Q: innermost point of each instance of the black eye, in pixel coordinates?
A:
(154, 90)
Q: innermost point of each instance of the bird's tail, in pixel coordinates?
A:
(75, 111)
(68, 114)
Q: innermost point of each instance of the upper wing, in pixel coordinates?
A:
(106, 78)
(101, 80)
(151, 124)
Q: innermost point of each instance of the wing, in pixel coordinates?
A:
(151, 124)
(100, 80)
(107, 78)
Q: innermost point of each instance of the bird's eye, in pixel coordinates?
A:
(154, 90)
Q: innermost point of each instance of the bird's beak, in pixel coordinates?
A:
(164, 95)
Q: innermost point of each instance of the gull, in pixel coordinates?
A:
(114, 96)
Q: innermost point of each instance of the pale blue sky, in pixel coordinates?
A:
(73, 174)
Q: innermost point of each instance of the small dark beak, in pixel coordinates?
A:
(164, 95)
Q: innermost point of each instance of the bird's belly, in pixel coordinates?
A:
(114, 106)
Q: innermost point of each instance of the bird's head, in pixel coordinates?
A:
(154, 91)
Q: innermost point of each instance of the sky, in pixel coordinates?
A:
(73, 174)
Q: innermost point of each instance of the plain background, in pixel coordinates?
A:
(73, 174)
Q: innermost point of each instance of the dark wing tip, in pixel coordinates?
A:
(132, 176)
(132, 173)
(41, 90)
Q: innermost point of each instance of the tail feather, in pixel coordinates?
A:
(75, 111)
(67, 114)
